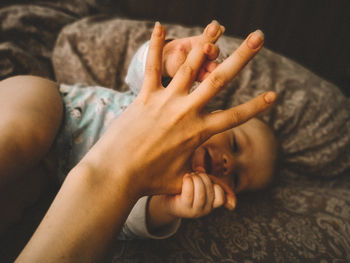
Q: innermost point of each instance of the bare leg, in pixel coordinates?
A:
(31, 112)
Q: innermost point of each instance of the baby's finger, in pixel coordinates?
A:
(212, 32)
(210, 194)
(153, 69)
(230, 200)
(228, 69)
(188, 71)
(208, 67)
(212, 51)
(219, 199)
(187, 193)
(200, 195)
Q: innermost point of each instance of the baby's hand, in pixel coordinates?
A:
(199, 196)
(175, 52)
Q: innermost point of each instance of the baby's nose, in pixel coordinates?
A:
(229, 163)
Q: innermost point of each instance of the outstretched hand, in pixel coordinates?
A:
(162, 127)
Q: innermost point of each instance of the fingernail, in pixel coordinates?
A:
(255, 39)
(230, 205)
(270, 97)
(223, 29)
(157, 28)
(213, 28)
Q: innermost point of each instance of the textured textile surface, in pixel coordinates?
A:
(303, 217)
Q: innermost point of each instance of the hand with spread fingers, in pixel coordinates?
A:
(172, 122)
(145, 151)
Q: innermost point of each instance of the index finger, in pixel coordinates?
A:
(153, 69)
(228, 69)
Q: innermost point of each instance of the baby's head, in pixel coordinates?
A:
(244, 157)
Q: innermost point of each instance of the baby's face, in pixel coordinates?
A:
(244, 157)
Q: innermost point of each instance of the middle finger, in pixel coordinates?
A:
(227, 70)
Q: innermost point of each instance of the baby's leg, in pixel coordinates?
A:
(30, 116)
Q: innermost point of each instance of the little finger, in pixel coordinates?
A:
(219, 199)
(200, 194)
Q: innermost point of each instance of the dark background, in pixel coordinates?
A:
(313, 33)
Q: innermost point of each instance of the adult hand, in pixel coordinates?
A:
(155, 137)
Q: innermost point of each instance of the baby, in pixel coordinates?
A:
(243, 157)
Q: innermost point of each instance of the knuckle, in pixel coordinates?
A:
(152, 69)
(236, 117)
(241, 54)
(153, 47)
(216, 81)
(187, 70)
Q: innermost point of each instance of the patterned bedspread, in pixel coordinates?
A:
(303, 217)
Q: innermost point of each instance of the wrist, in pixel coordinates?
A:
(97, 175)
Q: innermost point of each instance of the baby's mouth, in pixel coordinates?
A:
(202, 161)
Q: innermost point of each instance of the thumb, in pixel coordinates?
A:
(231, 199)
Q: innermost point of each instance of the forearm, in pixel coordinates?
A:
(86, 214)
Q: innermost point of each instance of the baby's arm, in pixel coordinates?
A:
(199, 196)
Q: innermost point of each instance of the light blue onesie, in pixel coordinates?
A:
(88, 112)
